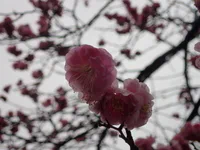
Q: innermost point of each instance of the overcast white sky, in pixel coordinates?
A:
(8, 76)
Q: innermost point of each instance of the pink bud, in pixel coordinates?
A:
(7, 88)
(25, 31)
(37, 74)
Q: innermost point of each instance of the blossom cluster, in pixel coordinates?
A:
(134, 17)
(49, 7)
(189, 133)
(91, 72)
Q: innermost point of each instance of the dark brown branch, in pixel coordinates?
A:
(131, 141)
(99, 13)
(62, 143)
(157, 63)
(194, 112)
(101, 138)
(186, 75)
(128, 138)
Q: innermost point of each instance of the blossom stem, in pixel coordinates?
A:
(131, 141)
(128, 139)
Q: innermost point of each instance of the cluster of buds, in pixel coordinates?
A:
(44, 24)
(31, 92)
(122, 21)
(190, 132)
(45, 45)
(25, 32)
(135, 18)
(141, 19)
(7, 26)
(20, 65)
(181, 141)
(14, 51)
(61, 103)
(48, 7)
(23, 117)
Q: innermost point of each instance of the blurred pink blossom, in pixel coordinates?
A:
(145, 143)
(191, 132)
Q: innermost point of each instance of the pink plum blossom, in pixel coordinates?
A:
(142, 94)
(179, 143)
(119, 108)
(131, 106)
(90, 71)
(196, 128)
(145, 143)
(191, 132)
